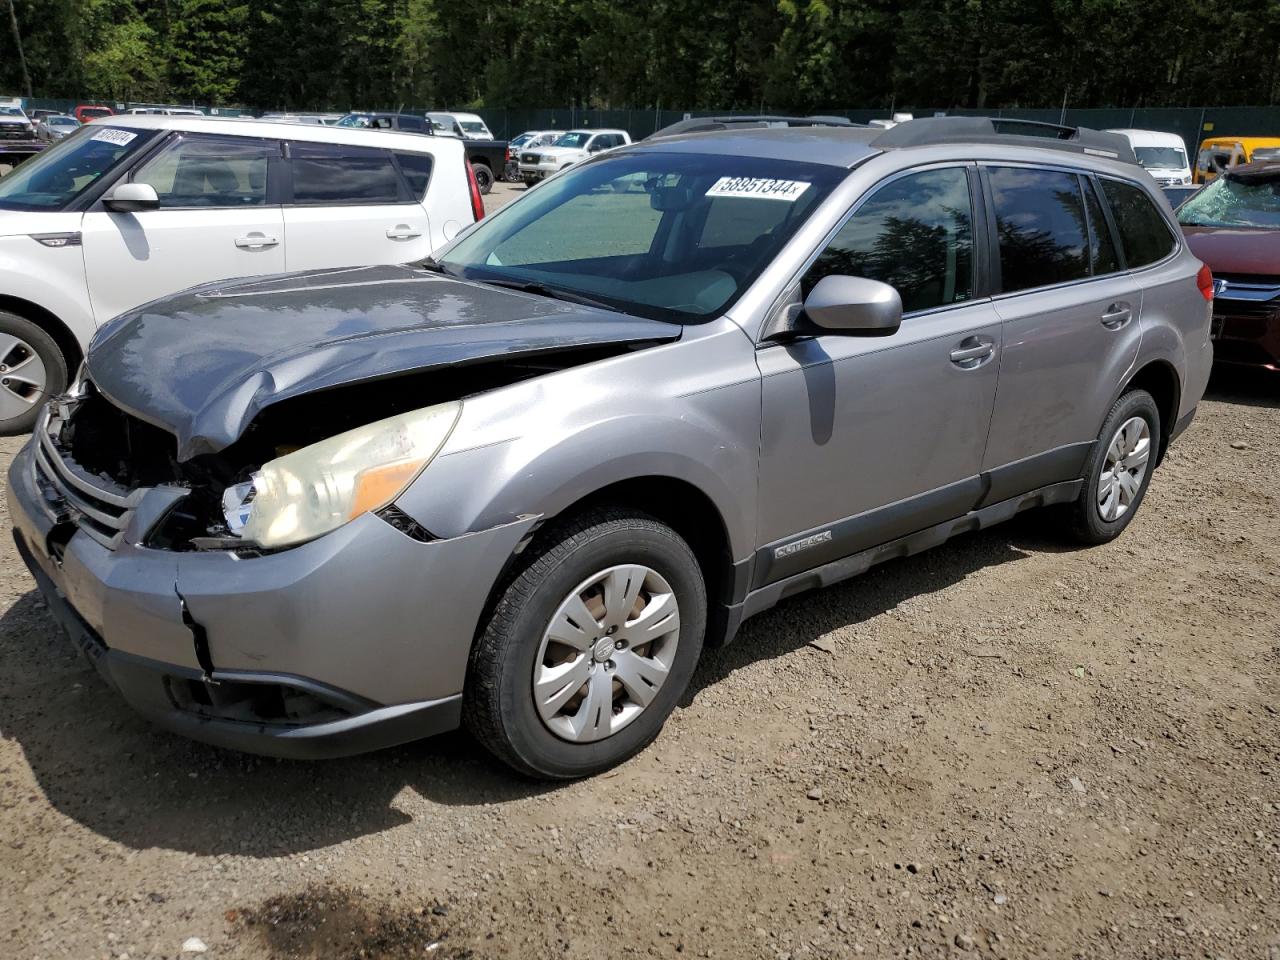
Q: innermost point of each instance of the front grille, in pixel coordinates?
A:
(530, 158)
(97, 505)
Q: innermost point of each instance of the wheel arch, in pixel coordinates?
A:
(51, 324)
(1160, 379)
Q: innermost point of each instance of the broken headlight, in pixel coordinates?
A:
(311, 491)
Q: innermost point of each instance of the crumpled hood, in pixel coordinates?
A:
(203, 363)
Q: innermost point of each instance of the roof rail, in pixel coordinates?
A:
(708, 124)
(927, 130)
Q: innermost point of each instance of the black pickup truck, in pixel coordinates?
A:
(488, 157)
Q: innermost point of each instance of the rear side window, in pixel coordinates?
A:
(1144, 235)
(411, 123)
(416, 168)
(1040, 223)
(915, 234)
(339, 174)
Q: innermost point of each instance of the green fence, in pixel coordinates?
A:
(1193, 124)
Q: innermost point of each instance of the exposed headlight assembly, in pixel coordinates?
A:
(311, 491)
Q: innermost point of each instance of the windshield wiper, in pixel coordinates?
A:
(430, 263)
(555, 293)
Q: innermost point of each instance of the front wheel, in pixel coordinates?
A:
(32, 369)
(484, 177)
(589, 648)
(1118, 471)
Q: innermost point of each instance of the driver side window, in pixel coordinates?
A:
(914, 233)
(208, 172)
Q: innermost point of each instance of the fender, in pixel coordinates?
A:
(51, 278)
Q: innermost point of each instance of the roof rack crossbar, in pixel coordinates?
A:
(929, 130)
(710, 124)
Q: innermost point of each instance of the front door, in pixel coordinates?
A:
(214, 223)
(865, 439)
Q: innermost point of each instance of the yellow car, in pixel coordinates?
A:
(1221, 153)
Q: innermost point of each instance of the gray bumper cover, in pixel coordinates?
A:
(371, 617)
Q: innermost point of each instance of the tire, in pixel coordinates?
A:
(1093, 518)
(32, 369)
(484, 177)
(499, 705)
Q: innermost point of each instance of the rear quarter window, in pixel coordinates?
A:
(416, 168)
(1145, 237)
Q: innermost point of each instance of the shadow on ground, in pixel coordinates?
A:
(1241, 385)
(107, 769)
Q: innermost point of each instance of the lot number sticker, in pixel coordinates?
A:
(788, 190)
(120, 138)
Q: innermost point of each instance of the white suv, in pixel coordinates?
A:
(573, 146)
(131, 208)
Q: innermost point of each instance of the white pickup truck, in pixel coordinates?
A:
(536, 165)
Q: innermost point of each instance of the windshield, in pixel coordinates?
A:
(669, 236)
(52, 179)
(1161, 157)
(353, 120)
(1232, 202)
(473, 126)
(11, 112)
(573, 140)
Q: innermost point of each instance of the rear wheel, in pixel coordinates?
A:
(1118, 471)
(589, 648)
(32, 369)
(484, 177)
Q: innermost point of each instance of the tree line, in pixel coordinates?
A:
(795, 55)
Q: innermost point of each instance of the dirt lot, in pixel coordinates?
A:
(997, 748)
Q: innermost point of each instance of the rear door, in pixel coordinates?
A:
(1069, 312)
(218, 219)
(351, 206)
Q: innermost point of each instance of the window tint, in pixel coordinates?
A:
(416, 168)
(203, 171)
(1144, 235)
(915, 234)
(1102, 246)
(1040, 225)
(333, 173)
(411, 123)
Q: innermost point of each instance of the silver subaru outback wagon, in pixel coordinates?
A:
(520, 486)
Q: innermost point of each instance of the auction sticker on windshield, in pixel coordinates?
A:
(761, 189)
(120, 138)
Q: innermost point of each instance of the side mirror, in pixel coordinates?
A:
(132, 198)
(854, 305)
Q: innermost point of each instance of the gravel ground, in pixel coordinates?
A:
(1001, 747)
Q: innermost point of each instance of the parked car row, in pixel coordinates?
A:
(521, 483)
(132, 208)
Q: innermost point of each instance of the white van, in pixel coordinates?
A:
(466, 126)
(1163, 155)
(134, 207)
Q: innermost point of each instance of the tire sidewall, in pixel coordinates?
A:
(484, 177)
(55, 367)
(1137, 403)
(525, 730)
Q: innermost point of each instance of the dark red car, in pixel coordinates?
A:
(1233, 225)
(91, 111)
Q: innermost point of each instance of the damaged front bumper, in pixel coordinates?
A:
(355, 641)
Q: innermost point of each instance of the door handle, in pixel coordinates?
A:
(402, 231)
(256, 241)
(1117, 315)
(973, 352)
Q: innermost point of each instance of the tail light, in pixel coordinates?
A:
(477, 203)
(1204, 280)
(508, 155)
